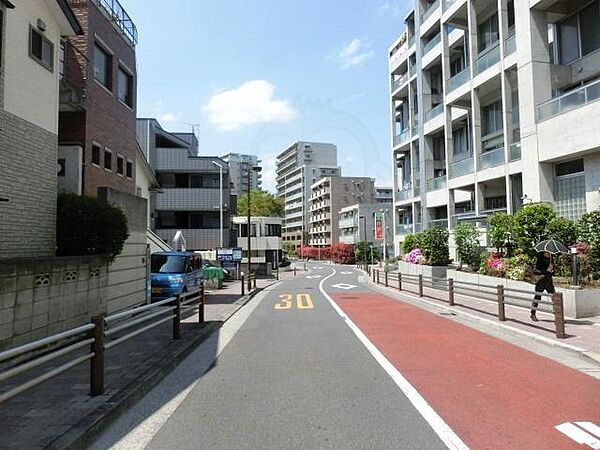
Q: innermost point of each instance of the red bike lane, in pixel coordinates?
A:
(493, 394)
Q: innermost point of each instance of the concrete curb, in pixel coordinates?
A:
(584, 354)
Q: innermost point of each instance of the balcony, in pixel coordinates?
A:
(399, 81)
(571, 100)
(510, 45)
(448, 4)
(404, 194)
(412, 70)
(401, 137)
(404, 228)
(487, 60)
(491, 158)
(459, 79)
(429, 11)
(434, 112)
(118, 15)
(462, 167)
(466, 216)
(489, 212)
(436, 183)
(414, 129)
(417, 190)
(440, 223)
(350, 222)
(432, 43)
(514, 153)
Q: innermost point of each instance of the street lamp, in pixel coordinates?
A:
(250, 170)
(384, 253)
(220, 202)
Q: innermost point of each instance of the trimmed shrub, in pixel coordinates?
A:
(434, 244)
(411, 241)
(588, 231)
(563, 230)
(500, 231)
(89, 226)
(531, 226)
(469, 250)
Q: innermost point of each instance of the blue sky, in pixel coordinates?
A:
(257, 75)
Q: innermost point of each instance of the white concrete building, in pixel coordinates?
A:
(239, 164)
(384, 195)
(298, 167)
(265, 241)
(493, 102)
(353, 229)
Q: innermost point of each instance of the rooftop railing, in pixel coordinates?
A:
(570, 100)
(120, 17)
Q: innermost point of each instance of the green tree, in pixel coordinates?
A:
(411, 241)
(563, 230)
(434, 244)
(365, 249)
(469, 249)
(588, 231)
(531, 225)
(89, 226)
(500, 231)
(262, 203)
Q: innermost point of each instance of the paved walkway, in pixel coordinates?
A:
(583, 335)
(39, 416)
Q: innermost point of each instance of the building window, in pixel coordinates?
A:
(96, 154)
(579, 35)
(569, 189)
(125, 87)
(491, 116)
(120, 165)
(61, 60)
(41, 49)
(461, 141)
(488, 33)
(129, 169)
(107, 159)
(102, 66)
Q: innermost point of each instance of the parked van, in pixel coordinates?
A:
(174, 273)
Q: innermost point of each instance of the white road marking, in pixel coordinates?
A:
(580, 436)
(445, 433)
(346, 273)
(344, 286)
(129, 431)
(314, 276)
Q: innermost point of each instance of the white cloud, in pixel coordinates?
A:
(248, 104)
(168, 117)
(354, 54)
(164, 116)
(390, 9)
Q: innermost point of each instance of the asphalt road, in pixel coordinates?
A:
(294, 375)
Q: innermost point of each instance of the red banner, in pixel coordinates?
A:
(378, 227)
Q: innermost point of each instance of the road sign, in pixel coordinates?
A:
(229, 254)
(237, 253)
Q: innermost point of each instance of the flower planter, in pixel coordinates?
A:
(420, 269)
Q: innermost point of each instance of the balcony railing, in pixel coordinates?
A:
(466, 216)
(514, 153)
(487, 60)
(399, 81)
(417, 190)
(432, 43)
(404, 228)
(412, 70)
(570, 100)
(434, 112)
(436, 183)
(448, 4)
(510, 45)
(119, 16)
(348, 223)
(429, 11)
(411, 41)
(441, 223)
(462, 167)
(401, 137)
(491, 158)
(459, 79)
(404, 194)
(489, 212)
(414, 129)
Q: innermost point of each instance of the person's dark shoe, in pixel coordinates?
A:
(534, 318)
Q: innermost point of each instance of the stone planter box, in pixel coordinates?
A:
(419, 269)
(577, 303)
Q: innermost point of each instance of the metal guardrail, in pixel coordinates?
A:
(101, 335)
(500, 294)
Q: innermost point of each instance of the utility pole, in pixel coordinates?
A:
(220, 201)
(384, 253)
(250, 170)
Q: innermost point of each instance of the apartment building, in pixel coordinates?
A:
(297, 168)
(191, 190)
(384, 195)
(30, 36)
(494, 103)
(356, 223)
(328, 196)
(239, 165)
(98, 83)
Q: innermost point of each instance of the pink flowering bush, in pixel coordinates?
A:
(493, 265)
(415, 256)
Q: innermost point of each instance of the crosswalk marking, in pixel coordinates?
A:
(580, 436)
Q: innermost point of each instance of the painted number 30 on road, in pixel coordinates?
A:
(303, 301)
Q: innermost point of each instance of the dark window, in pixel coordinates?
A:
(492, 118)
(102, 66)
(511, 14)
(569, 40)
(120, 165)
(488, 33)
(129, 169)
(96, 154)
(273, 230)
(244, 230)
(569, 167)
(589, 22)
(41, 49)
(181, 180)
(125, 87)
(579, 34)
(167, 263)
(108, 159)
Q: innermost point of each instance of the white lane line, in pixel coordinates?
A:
(137, 427)
(441, 428)
(578, 435)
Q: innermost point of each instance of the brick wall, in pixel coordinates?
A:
(106, 120)
(28, 180)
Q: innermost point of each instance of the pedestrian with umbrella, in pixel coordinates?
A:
(545, 269)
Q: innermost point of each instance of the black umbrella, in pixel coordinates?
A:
(551, 246)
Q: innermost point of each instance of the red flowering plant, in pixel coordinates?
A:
(493, 265)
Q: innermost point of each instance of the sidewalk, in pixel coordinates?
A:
(583, 335)
(58, 412)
